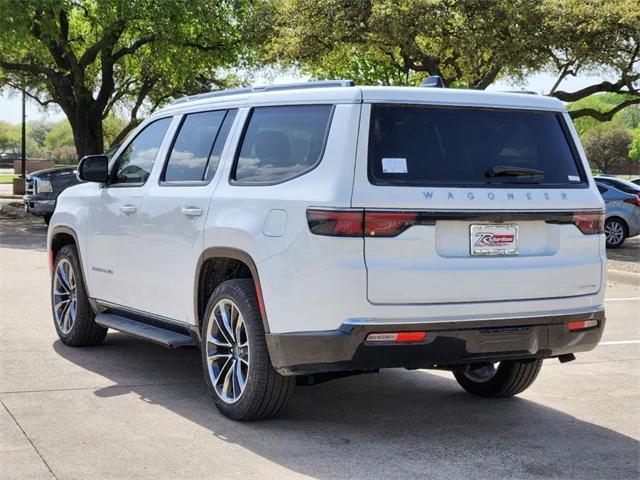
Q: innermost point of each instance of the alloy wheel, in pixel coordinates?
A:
(481, 374)
(614, 232)
(227, 351)
(65, 300)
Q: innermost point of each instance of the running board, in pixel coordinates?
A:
(161, 336)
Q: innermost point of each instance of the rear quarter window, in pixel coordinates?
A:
(281, 143)
(446, 146)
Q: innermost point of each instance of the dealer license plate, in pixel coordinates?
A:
(493, 239)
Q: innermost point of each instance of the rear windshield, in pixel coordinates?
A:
(431, 146)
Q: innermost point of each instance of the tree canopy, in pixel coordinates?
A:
(90, 57)
(470, 43)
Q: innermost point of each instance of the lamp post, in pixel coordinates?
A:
(24, 138)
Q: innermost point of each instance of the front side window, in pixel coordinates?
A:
(281, 143)
(190, 153)
(430, 146)
(134, 164)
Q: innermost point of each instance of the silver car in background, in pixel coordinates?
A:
(622, 218)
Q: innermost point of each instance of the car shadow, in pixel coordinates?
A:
(395, 424)
(23, 233)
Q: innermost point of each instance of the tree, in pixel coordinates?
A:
(468, 43)
(607, 147)
(9, 137)
(89, 57)
(602, 102)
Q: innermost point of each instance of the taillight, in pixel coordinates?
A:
(359, 223)
(589, 223)
(633, 201)
(336, 223)
(387, 224)
(397, 337)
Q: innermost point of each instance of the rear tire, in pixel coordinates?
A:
(616, 232)
(73, 316)
(511, 377)
(237, 368)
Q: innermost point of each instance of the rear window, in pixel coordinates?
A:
(432, 146)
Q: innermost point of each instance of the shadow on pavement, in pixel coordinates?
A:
(23, 233)
(396, 424)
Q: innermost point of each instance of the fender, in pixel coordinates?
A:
(69, 231)
(236, 254)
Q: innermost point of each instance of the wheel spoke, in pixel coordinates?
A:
(60, 304)
(217, 341)
(240, 378)
(226, 321)
(228, 381)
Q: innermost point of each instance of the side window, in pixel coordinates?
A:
(191, 149)
(134, 164)
(281, 143)
(218, 146)
(602, 189)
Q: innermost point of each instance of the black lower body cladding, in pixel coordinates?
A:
(445, 344)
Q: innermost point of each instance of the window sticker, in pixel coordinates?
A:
(394, 165)
(573, 178)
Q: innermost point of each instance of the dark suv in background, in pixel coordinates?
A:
(43, 187)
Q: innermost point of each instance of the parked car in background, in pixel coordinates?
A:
(636, 181)
(43, 187)
(622, 217)
(623, 185)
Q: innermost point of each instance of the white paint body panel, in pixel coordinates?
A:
(316, 283)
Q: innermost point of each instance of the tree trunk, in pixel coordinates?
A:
(87, 131)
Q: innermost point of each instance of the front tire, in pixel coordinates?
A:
(237, 368)
(511, 377)
(616, 232)
(73, 317)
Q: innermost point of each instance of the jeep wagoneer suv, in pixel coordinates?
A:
(300, 232)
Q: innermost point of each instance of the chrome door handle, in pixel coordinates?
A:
(191, 211)
(128, 209)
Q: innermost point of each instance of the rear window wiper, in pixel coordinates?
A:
(517, 174)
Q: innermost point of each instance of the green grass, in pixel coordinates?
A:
(7, 178)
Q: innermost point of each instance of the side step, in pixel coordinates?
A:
(161, 336)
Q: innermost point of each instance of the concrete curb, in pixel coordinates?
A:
(13, 211)
(622, 276)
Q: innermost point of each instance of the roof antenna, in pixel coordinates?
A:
(433, 81)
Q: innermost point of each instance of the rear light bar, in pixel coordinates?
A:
(582, 325)
(353, 222)
(589, 223)
(397, 337)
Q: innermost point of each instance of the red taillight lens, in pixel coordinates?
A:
(336, 223)
(387, 224)
(397, 337)
(633, 201)
(589, 223)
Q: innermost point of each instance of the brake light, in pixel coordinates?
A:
(589, 223)
(633, 201)
(582, 325)
(336, 223)
(387, 224)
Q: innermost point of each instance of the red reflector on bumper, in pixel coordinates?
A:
(582, 325)
(397, 337)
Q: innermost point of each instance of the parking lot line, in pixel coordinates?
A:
(621, 299)
(619, 342)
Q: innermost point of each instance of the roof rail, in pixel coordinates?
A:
(522, 92)
(267, 88)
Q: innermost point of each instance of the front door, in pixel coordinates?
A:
(114, 218)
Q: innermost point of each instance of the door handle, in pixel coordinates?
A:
(128, 209)
(191, 211)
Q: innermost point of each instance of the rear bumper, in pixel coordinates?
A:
(446, 343)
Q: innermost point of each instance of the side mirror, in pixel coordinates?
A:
(94, 168)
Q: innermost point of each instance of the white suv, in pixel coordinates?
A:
(306, 232)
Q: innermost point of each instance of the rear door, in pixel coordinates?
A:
(474, 205)
(174, 213)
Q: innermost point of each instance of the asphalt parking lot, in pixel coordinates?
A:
(130, 409)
